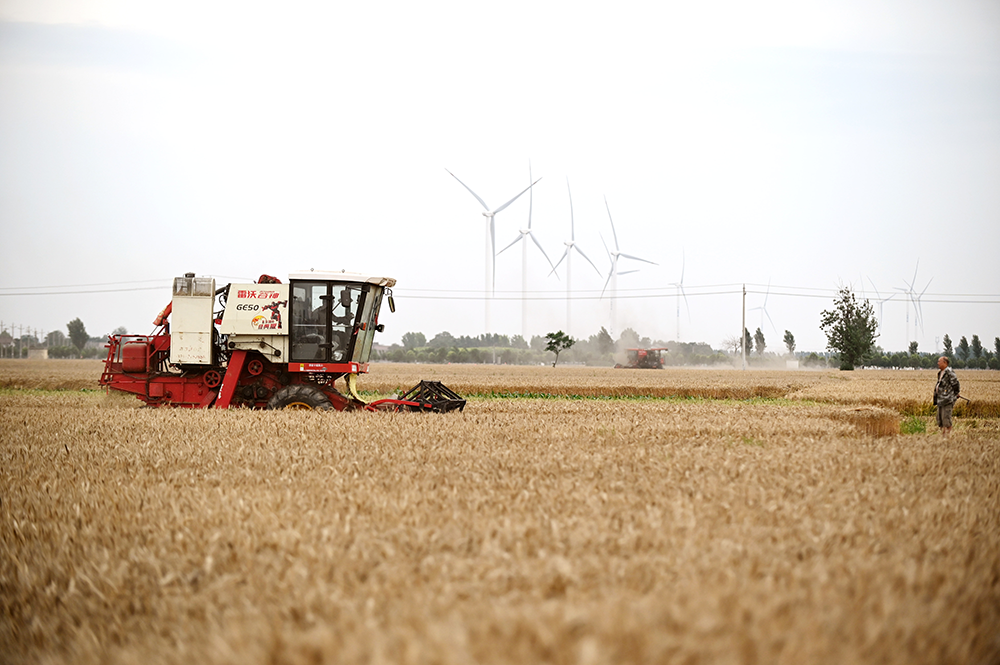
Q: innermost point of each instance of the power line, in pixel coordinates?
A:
(73, 293)
(635, 296)
(75, 286)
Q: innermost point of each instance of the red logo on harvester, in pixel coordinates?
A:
(253, 294)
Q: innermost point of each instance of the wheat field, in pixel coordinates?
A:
(749, 528)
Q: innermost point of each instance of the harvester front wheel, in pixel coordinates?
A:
(300, 396)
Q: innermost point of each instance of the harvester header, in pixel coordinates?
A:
(264, 344)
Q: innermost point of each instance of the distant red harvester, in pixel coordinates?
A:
(643, 359)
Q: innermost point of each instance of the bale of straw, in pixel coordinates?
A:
(872, 420)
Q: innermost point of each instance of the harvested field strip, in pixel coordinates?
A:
(907, 392)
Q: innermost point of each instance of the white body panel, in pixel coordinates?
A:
(191, 321)
(273, 347)
(256, 309)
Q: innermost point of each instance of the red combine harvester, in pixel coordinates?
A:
(643, 359)
(265, 345)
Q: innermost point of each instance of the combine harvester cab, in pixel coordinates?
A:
(268, 345)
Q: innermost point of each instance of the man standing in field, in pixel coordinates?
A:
(945, 394)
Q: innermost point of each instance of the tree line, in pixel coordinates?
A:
(74, 343)
(598, 349)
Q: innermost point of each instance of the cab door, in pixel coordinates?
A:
(325, 318)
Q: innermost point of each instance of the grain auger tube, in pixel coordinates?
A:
(265, 345)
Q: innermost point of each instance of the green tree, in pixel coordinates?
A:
(557, 342)
(948, 353)
(996, 345)
(77, 333)
(913, 348)
(442, 340)
(759, 343)
(629, 339)
(413, 340)
(120, 330)
(604, 341)
(850, 328)
(747, 343)
(976, 347)
(963, 349)
(789, 342)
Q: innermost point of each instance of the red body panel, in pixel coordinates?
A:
(139, 364)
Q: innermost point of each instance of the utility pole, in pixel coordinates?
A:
(743, 329)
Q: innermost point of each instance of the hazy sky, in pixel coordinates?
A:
(805, 145)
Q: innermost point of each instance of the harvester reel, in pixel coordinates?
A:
(300, 396)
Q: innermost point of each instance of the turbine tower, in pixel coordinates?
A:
(567, 256)
(522, 234)
(613, 273)
(490, 242)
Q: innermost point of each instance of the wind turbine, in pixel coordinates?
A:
(522, 234)
(763, 309)
(613, 273)
(680, 292)
(571, 246)
(491, 274)
(918, 314)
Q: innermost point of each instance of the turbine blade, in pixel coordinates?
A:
(877, 294)
(636, 258)
(485, 207)
(612, 222)
(772, 322)
(559, 262)
(516, 197)
(519, 238)
(531, 197)
(580, 252)
(610, 273)
(572, 225)
(686, 305)
(540, 249)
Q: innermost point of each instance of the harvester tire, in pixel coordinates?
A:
(300, 396)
